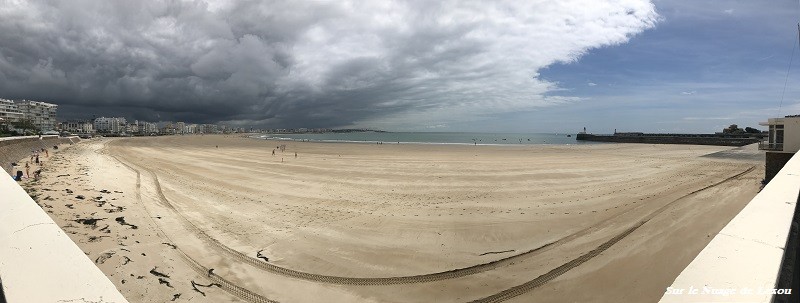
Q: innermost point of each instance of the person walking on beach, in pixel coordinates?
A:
(295, 154)
(27, 169)
(273, 152)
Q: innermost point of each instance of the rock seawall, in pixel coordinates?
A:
(12, 149)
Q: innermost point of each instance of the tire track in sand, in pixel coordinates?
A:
(430, 277)
(226, 285)
(558, 271)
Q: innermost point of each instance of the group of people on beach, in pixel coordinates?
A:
(35, 160)
(282, 148)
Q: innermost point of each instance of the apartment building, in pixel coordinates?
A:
(114, 125)
(78, 126)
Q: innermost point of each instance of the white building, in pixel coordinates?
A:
(783, 142)
(132, 128)
(146, 128)
(42, 114)
(208, 129)
(180, 128)
(9, 113)
(114, 125)
(78, 127)
(784, 134)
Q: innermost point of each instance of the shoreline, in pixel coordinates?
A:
(432, 138)
(418, 143)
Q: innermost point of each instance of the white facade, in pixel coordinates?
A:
(114, 125)
(78, 127)
(132, 128)
(9, 112)
(180, 128)
(146, 128)
(42, 114)
(142, 128)
(784, 134)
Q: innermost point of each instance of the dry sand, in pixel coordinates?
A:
(604, 222)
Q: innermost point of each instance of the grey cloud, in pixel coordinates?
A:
(297, 63)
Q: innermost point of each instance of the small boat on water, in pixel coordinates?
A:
(568, 136)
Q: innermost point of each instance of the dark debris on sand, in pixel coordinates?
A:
(260, 256)
(195, 285)
(121, 221)
(89, 221)
(156, 273)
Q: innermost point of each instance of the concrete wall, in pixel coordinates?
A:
(38, 261)
(774, 163)
(12, 149)
(791, 134)
(749, 252)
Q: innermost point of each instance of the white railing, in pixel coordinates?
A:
(742, 263)
(38, 261)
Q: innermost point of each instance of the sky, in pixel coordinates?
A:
(486, 66)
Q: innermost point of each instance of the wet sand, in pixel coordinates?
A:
(392, 223)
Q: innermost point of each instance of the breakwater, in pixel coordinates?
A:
(12, 149)
(692, 139)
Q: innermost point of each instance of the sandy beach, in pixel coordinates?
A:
(222, 219)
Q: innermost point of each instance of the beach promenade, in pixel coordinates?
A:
(220, 218)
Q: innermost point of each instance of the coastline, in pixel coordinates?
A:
(367, 213)
(429, 138)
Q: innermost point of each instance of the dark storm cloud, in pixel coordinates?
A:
(296, 63)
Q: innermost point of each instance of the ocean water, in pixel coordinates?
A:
(432, 138)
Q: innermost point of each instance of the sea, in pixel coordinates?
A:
(458, 138)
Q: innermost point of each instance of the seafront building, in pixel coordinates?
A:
(83, 127)
(146, 128)
(783, 134)
(180, 128)
(9, 113)
(782, 143)
(41, 114)
(114, 125)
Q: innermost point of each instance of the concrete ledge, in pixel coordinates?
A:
(38, 261)
(748, 252)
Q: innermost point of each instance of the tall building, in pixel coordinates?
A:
(180, 128)
(78, 127)
(9, 113)
(114, 125)
(149, 128)
(42, 114)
